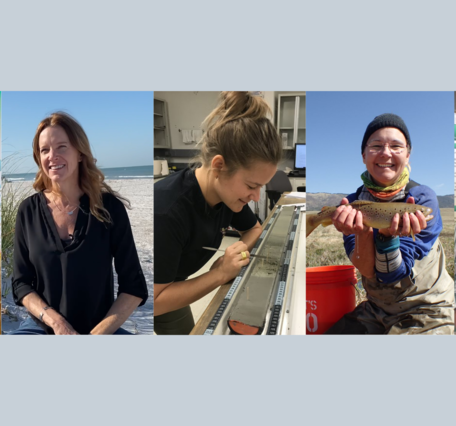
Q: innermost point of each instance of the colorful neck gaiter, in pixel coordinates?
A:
(387, 192)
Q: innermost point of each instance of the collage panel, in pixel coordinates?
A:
(229, 210)
(381, 184)
(1, 300)
(77, 213)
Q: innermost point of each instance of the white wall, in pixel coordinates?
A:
(269, 98)
(186, 110)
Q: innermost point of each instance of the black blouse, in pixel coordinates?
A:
(75, 279)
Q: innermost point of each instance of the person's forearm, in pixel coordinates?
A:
(251, 236)
(35, 305)
(182, 293)
(120, 310)
(363, 256)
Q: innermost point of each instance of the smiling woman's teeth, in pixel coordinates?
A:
(384, 165)
(56, 167)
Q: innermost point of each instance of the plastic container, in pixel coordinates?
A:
(330, 294)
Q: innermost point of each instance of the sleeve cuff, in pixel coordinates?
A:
(20, 290)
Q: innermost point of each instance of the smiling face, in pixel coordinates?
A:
(59, 159)
(244, 185)
(386, 167)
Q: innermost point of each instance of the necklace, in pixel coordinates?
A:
(68, 213)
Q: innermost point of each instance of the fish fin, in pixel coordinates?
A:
(412, 234)
(324, 208)
(428, 218)
(310, 226)
(312, 223)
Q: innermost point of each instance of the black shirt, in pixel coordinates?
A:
(75, 279)
(184, 223)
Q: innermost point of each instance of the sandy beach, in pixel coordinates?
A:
(140, 194)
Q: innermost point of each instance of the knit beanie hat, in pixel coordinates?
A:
(386, 120)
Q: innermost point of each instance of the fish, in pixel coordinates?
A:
(376, 215)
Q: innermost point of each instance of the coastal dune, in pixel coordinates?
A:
(140, 194)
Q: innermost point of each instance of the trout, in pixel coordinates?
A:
(376, 215)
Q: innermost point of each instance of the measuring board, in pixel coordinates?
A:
(256, 295)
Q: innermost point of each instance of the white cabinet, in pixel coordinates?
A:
(296, 182)
(161, 131)
(291, 119)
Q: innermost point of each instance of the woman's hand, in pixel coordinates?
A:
(58, 323)
(232, 261)
(119, 312)
(349, 220)
(63, 327)
(410, 221)
(36, 306)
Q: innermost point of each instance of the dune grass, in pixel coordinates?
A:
(12, 196)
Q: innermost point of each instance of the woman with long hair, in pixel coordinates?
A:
(67, 235)
(408, 288)
(239, 154)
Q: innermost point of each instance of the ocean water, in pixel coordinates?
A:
(136, 172)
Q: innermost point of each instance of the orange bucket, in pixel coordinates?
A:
(330, 294)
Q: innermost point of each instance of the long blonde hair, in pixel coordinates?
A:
(239, 129)
(91, 178)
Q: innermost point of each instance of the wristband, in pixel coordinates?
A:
(44, 310)
(386, 244)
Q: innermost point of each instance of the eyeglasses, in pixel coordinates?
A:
(377, 147)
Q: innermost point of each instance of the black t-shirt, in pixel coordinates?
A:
(184, 223)
(76, 279)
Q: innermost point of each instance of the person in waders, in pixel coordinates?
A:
(408, 288)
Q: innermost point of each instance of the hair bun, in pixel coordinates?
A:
(236, 105)
(240, 130)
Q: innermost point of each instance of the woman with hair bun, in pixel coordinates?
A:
(67, 235)
(239, 154)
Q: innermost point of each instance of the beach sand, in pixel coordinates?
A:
(140, 194)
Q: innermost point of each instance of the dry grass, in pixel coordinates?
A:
(12, 196)
(325, 247)
(447, 238)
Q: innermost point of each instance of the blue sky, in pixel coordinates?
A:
(336, 122)
(119, 124)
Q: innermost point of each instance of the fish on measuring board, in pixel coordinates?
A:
(376, 215)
